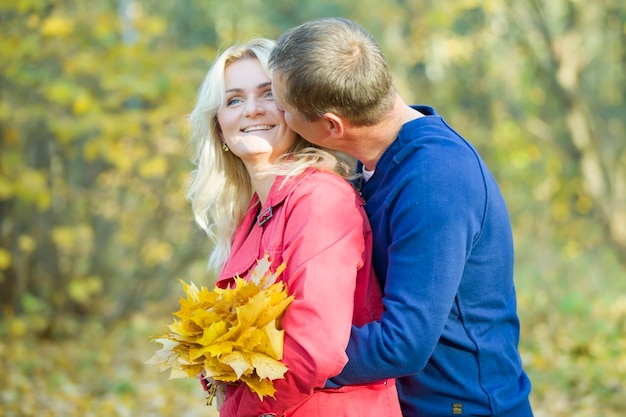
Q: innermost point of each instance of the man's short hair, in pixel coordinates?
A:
(334, 65)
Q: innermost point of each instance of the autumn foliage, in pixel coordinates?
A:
(94, 158)
(229, 335)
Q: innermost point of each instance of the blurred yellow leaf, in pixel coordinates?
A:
(82, 290)
(153, 25)
(57, 26)
(17, 327)
(6, 188)
(11, 136)
(26, 243)
(31, 186)
(60, 92)
(81, 105)
(5, 259)
(77, 239)
(93, 149)
(124, 153)
(155, 252)
(33, 21)
(155, 167)
(584, 204)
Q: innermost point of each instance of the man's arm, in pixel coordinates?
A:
(430, 219)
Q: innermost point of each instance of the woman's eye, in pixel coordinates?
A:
(233, 101)
(269, 94)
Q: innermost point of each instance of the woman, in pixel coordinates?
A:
(259, 188)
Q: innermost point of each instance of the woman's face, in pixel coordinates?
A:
(252, 127)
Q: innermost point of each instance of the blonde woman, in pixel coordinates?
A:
(259, 188)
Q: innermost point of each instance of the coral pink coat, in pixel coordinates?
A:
(316, 223)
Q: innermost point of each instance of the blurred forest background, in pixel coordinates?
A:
(95, 229)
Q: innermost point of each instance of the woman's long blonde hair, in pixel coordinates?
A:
(220, 189)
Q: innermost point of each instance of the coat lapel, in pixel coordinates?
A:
(247, 242)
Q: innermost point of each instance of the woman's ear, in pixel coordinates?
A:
(334, 124)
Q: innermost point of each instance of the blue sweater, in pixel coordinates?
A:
(443, 252)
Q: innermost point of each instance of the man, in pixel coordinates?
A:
(443, 247)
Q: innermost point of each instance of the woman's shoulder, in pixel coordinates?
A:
(320, 182)
(326, 198)
(312, 183)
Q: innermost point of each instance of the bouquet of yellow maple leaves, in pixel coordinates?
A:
(229, 335)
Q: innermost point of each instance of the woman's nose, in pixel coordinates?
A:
(253, 107)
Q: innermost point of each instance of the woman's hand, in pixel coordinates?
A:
(215, 390)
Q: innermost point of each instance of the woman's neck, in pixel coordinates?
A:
(261, 183)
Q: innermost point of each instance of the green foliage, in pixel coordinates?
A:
(94, 158)
(573, 329)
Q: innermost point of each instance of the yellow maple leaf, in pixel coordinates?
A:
(185, 328)
(166, 357)
(239, 361)
(267, 367)
(232, 335)
(249, 312)
(190, 371)
(274, 341)
(221, 348)
(219, 370)
(261, 387)
(254, 340)
(192, 292)
(259, 274)
(276, 302)
(211, 333)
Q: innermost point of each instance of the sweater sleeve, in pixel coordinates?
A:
(427, 220)
(323, 249)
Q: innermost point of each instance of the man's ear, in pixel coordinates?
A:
(334, 124)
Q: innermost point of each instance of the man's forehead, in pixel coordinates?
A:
(278, 88)
(277, 82)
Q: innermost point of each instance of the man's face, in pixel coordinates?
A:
(314, 132)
